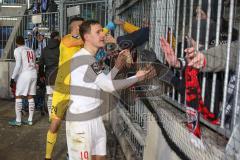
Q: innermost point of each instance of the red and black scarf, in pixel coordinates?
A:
(194, 102)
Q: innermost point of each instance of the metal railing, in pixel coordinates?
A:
(29, 26)
(17, 2)
(95, 9)
(174, 20)
(137, 13)
(132, 127)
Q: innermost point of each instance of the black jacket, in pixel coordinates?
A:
(49, 61)
(134, 39)
(52, 6)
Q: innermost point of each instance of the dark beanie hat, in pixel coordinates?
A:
(134, 39)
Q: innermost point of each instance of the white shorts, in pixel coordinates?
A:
(49, 89)
(26, 84)
(86, 138)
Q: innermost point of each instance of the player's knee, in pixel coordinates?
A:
(55, 124)
(53, 128)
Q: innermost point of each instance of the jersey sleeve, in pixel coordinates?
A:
(17, 56)
(106, 82)
(112, 74)
(129, 28)
(109, 85)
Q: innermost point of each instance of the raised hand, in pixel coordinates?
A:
(123, 59)
(190, 53)
(169, 53)
(110, 39)
(118, 21)
(147, 73)
(195, 58)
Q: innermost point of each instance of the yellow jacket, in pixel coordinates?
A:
(68, 47)
(129, 28)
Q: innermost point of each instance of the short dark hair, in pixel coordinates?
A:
(86, 27)
(54, 34)
(76, 19)
(20, 40)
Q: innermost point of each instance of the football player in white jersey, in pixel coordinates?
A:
(25, 76)
(86, 135)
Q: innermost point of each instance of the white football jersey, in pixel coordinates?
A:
(87, 80)
(25, 60)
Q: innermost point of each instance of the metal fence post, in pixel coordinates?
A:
(28, 4)
(61, 19)
(237, 94)
(227, 62)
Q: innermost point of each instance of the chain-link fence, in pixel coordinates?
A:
(30, 26)
(211, 25)
(95, 9)
(15, 2)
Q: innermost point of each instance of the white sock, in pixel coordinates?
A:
(31, 106)
(49, 104)
(18, 109)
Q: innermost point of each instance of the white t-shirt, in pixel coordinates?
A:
(25, 61)
(87, 80)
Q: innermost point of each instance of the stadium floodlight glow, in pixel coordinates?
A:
(11, 6)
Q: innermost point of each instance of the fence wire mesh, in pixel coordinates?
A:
(95, 9)
(216, 31)
(29, 26)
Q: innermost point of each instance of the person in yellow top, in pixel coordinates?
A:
(69, 45)
(126, 26)
(129, 28)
